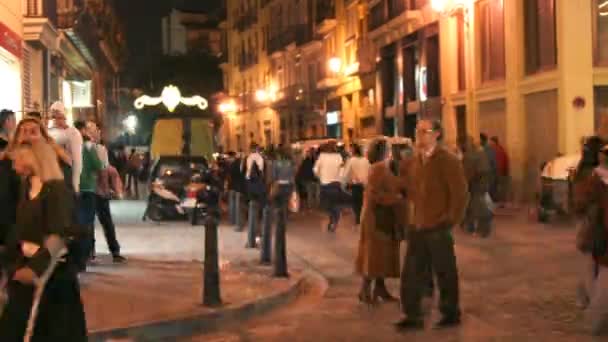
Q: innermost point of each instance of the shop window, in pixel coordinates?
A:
(490, 16)
(600, 32)
(541, 46)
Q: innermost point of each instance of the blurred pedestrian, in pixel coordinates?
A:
(355, 174)
(256, 191)
(134, 163)
(38, 255)
(502, 171)
(378, 252)
(327, 169)
(492, 162)
(91, 166)
(108, 186)
(306, 176)
(9, 184)
(69, 139)
(478, 218)
(439, 192)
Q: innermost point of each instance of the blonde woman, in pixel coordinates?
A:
(44, 217)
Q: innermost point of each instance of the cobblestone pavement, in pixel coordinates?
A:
(517, 285)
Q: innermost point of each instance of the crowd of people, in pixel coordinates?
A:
(395, 192)
(55, 179)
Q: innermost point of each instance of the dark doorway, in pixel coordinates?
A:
(410, 122)
(461, 123)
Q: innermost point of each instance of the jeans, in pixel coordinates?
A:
(232, 206)
(478, 216)
(333, 201)
(104, 215)
(593, 297)
(437, 244)
(357, 191)
(86, 208)
(312, 194)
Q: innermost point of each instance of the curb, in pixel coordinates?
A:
(199, 323)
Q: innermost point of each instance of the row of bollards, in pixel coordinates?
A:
(211, 281)
(269, 215)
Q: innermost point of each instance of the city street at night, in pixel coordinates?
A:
(517, 285)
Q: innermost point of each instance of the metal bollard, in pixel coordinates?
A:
(238, 215)
(211, 270)
(280, 244)
(252, 223)
(265, 251)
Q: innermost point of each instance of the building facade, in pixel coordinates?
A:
(11, 55)
(67, 50)
(534, 73)
(191, 32)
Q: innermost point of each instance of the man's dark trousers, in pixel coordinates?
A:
(102, 209)
(437, 244)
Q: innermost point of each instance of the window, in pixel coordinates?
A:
(491, 33)
(462, 81)
(541, 47)
(600, 32)
(352, 21)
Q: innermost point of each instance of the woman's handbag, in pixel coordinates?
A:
(386, 222)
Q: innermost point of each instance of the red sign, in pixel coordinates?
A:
(10, 41)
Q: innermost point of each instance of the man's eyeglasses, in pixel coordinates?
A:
(424, 131)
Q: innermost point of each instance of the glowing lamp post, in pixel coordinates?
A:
(335, 64)
(171, 97)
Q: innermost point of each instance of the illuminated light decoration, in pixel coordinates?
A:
(603, 9)
(171, 97)
(335, 64)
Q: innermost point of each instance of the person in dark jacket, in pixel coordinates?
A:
(306, 176)
(9, 181)
(37, 255)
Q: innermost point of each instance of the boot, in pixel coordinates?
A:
(380, 292)
(365, 294)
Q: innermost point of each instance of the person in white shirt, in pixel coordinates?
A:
(327, 169)
(355, 174)
(69, 138)
(256, 191)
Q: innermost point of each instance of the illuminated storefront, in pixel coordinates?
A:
(76, 95)
(10, 70)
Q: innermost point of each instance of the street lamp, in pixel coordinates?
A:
(261, 95)
(227, 107)
(130, 123)
(335, 64)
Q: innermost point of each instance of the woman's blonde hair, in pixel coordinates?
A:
(41, 158)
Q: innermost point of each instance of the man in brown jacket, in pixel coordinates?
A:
(439, 192)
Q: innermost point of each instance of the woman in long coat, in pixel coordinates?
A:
(378, 255)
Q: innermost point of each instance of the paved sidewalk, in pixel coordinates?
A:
(162, 280)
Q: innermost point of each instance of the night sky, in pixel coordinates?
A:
(142, 19)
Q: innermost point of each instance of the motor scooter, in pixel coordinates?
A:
(202, 198)
(163, 204)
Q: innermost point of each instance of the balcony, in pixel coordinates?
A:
(298, 96)
(42, 9)
(299, 34)
(39, 23)
(246, 20)
(325, 18)
(392, 15)
(248, 60)
(396, 8)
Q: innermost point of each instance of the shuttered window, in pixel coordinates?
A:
(491, 34)
(540, 42)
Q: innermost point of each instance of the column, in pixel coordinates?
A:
(575, 62)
